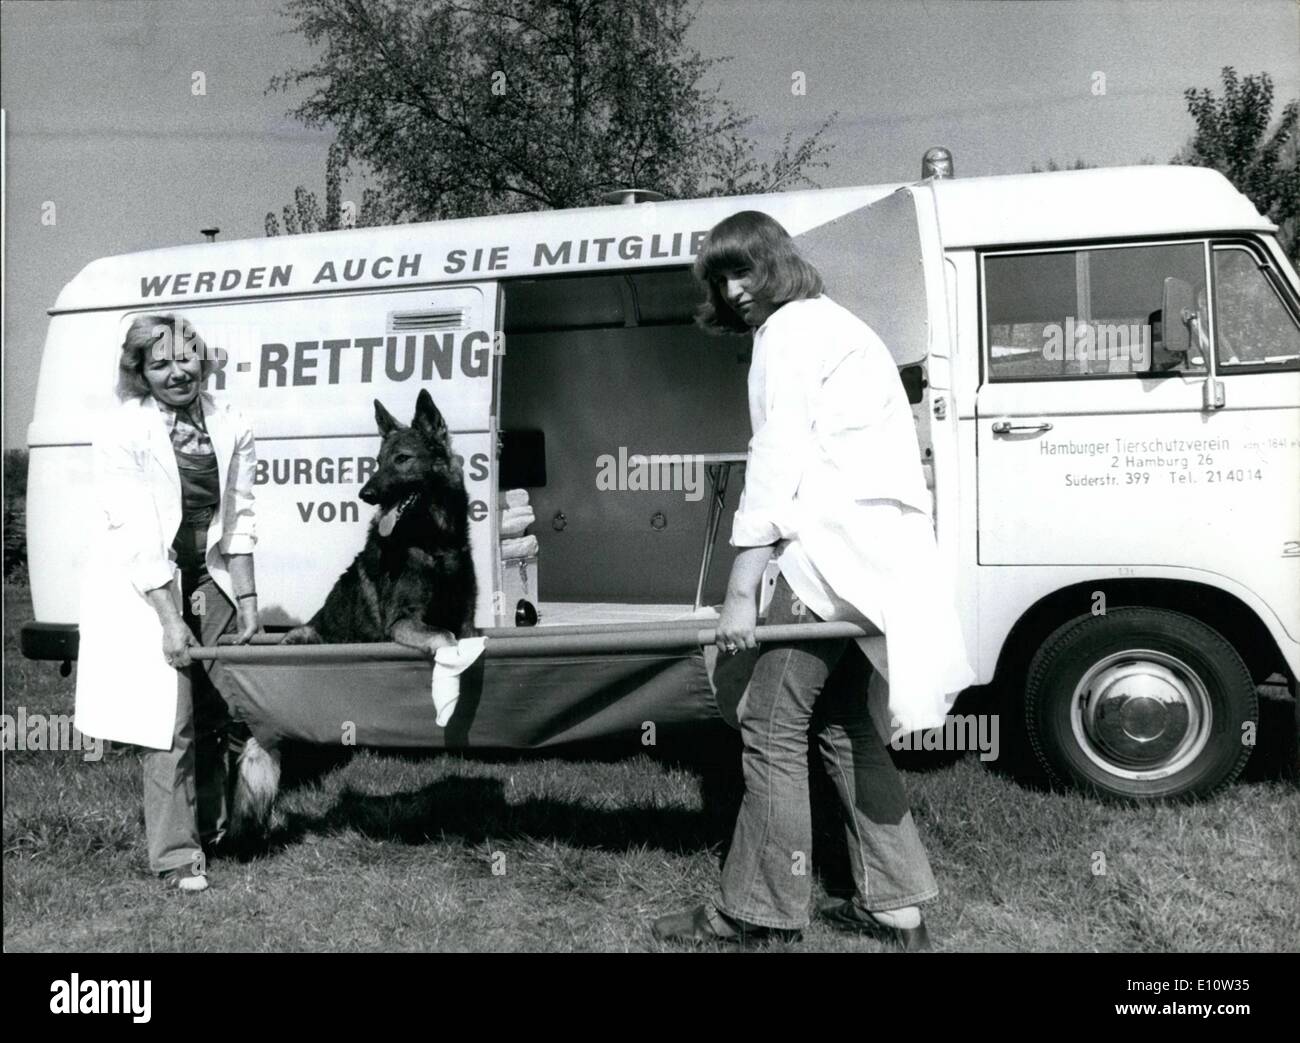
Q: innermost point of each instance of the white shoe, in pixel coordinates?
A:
(186, 878)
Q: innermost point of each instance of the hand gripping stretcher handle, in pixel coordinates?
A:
(508, 641)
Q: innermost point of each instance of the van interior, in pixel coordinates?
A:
(596, 370)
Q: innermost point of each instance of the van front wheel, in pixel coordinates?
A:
(1140, 704)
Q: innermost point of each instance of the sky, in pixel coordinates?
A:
(101, 120)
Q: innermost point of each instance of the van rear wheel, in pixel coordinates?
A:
(1140, 704)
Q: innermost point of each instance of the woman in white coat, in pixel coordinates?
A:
(835, 491)
(171, 566)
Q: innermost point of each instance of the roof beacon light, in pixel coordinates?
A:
(937, 162)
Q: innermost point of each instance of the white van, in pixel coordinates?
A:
(1104, 367)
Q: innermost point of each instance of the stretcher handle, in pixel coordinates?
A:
(529, 643)
(680, 623)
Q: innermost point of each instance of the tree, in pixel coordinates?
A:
(1052, 166)
(1079, 164)
(1232, 137)
(464, 107)
(306, 214)
(15, 515)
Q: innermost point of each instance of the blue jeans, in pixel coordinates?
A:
(797, 690)
(187, 788)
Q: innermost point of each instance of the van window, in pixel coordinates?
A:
(1094, 312)
(1253, 325)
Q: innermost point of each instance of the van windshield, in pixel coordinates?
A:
(1253, 325)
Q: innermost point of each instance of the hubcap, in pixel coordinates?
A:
(1141, 714)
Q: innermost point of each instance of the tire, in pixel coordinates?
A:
(1140, 704)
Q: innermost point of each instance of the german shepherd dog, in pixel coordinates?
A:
(412, 583)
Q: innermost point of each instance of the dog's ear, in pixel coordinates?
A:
(428, 421)
(386, 421)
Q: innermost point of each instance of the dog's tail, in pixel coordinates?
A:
(257, 783)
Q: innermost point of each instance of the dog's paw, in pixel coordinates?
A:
(303, 635)
(439, 639)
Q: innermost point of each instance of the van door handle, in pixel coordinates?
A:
(1006, 427)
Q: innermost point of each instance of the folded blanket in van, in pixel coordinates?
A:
(519, 547)
(516, 497)
(514, 520)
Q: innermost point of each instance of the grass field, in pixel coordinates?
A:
(398, 852)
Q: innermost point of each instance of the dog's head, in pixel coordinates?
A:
(412, 460)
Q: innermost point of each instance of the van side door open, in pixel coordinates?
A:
(883, 262)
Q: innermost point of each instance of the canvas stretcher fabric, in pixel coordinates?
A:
(504, 703)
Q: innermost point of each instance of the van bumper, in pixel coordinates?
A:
(50, 640)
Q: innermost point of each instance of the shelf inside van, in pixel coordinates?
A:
(570, 613)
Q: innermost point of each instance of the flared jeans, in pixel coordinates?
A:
(799, 691)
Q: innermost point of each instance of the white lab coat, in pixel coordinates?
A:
(834, 477)
(126, 692)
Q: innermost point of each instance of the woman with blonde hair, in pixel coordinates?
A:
(171, 567)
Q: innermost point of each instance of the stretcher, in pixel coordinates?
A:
(593, 672)
(530, 688)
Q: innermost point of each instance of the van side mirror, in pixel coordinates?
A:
(1177, 311)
